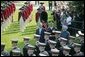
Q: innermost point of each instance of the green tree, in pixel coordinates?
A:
(77, 6)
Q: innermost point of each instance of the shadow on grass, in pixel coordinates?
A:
(21, 44)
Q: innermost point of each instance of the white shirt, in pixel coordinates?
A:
(68, 20)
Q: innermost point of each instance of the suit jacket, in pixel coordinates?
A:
(65, 34)
(41, 35)
(44, 16)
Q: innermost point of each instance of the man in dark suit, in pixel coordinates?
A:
(20, 13)
(40, 31)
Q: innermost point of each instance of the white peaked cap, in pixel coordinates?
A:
(36, 35)
(56, 31)
(51, 41)
(66, 47)
(55, 50)
(61, 38)
(41, 54)
(47, 33)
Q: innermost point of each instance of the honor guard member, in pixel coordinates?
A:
(5, 14)
(7, 10)
(20, 12)
(16, 52)
(66, 50)
(42, 48)
(13, 8)
(77, 50)
(46, 36)
(3, 52)
(10, 11)
(54, 52)
(30, 50)
(24, 14)
(26, 43)
(37, 37)
(57, 34)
